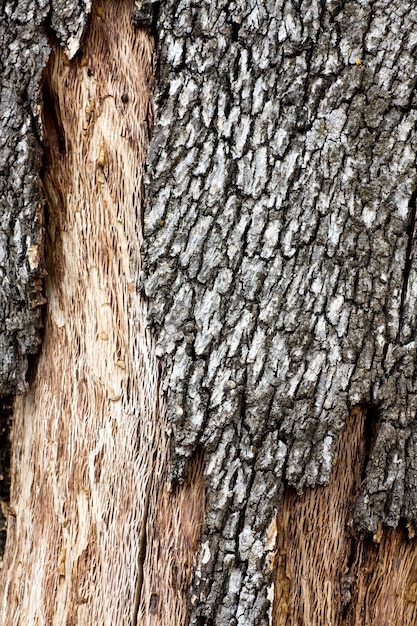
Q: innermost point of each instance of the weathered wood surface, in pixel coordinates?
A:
(326, 574)
(280, 265)
(87, 447)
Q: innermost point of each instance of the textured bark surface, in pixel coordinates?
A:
(280, 263)
(280, 232)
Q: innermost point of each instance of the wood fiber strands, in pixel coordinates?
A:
(279, 263)
(88, 440)
(327, 575)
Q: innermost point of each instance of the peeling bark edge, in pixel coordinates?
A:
(25, 26)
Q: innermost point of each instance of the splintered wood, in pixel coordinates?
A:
(173, 540)
(89, 444)
(325, 575)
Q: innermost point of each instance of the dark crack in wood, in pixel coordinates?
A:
(6, 416)
(142, 551)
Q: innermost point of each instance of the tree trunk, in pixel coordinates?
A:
(220, 425)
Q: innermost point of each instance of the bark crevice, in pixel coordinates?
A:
(412, 235)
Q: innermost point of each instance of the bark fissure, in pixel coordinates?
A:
(370, 432)
(412, 234)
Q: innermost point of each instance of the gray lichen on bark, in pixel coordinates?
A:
(25, 49)
(279, 262)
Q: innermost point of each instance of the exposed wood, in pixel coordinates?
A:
(88, 436)
(384, 590)
(175, 528)
(326, 574)
(25, 49)
(314, 539)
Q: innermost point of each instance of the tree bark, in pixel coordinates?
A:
(279, 241)
(222, 334)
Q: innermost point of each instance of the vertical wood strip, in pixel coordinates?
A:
(96, 536)
(87, 433)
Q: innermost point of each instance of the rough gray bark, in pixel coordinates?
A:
(24, 29)
(280, 262)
